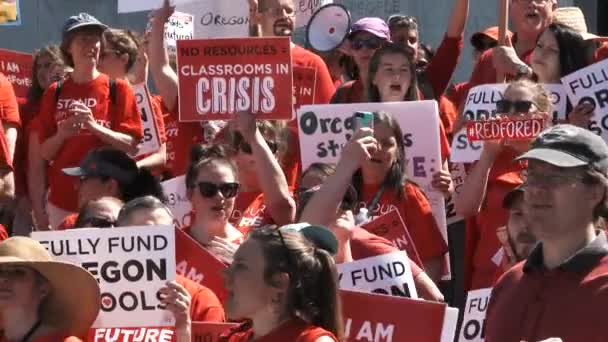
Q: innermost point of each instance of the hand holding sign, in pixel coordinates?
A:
(245, 124)
(162, 14)
(581, 115)
(442, 181)
(175, 298)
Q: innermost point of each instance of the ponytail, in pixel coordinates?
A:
(329, 305)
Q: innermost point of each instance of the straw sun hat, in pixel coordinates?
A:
(575, 18)
(73, 301)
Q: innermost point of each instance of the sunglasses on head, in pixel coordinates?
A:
(398, 19)
(505, 106)
(209, 190)
(370, 43)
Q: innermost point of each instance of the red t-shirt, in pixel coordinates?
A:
(69, 222)
(324, 86)
(255, 216)
(121, 116)
(295, 330)
(417, 215)
(29, 111)
(181, 136)
(442, 65)
(204, 304)
(602, 52)
(481, 242)
(242, 202)
(9, 113)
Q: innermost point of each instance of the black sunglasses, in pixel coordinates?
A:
(371, 43)
(208, 189)
(98, 222)
(505, 106)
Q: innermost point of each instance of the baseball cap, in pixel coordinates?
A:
(82, 20)
(490, 32)
(569, 146)
(373, 25)
(106, 162)
(320, 236)
(512, 196)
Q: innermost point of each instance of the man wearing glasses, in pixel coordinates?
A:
(561, 289)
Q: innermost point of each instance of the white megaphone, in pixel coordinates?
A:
(328, 27)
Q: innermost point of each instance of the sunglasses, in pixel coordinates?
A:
(505, 106)
(209, 190)
(246, 148)
(98, 222)
(371, 43)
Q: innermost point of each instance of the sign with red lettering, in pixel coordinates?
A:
(219, 78)
(197, 264)
(388, 274)
(17, 67)
(391, 227)
(304, 85)
(131, 265)
(209, 331)
(157, 334)
(151, 141)
(473, 324)
(370, 317)
(504, 129)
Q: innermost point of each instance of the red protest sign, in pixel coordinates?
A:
(197, 264)
(209, 331)
(392, 227)
(388, 318)
(221, 77)
(17, 67)
(158, 334)
(504, 129)
(304, 84)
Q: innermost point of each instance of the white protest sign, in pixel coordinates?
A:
(127, 6)
(590, 85)
(175, 189)
(458, 173)
(180, 26)
(480, 104)
(218, 19)
(131, 265)
(324, 129)
(472, 329)
(559, 101)
(388, 274)
(306, 8)
(151, 141)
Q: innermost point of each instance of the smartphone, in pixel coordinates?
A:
(364, 119)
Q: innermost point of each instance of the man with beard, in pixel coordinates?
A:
(561, 290)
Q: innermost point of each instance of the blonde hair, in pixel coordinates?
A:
(540, 97)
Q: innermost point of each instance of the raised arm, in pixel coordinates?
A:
(458, 18)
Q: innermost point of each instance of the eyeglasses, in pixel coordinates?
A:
(98, 222)
(505, 106)
(209, 190)
(398, 19)
(545, 180)
(373, 43)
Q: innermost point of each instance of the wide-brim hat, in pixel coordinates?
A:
(575, 18)
(73, 302)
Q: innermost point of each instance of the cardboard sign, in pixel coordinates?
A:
(369, 317)
(178, 202)
(219, 78)
(209, 331)
(151, 141)
(17, 67)
(388, 274)
(590, 85)
(324, 129)
(391, 227)
(504, 129)
(559, 101)
(10, 13)
(127, 6)
(304, 85)
(197, 264)
(160, 334)
(306, 8)
(458, 174)
(218, 19)
(179, 27)
(131, 265)
(472, 329)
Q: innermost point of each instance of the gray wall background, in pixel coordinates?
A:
(42, 20)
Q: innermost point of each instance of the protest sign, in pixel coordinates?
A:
(377, 318)
(127, 6)
(10, 13)
(559, 101)
(475, 315)
(219, 78)
(391, 227)
(131, 265)
(306, 8)
(209, 331)
(160, 334)
(590, 85)
(218, 19)
(388, 274)
(179, 27)
(304, 85)
(177, 201)
(324, 129)
(17, 67)
(197, 264)
(458, 174)
(504, 129)
(151, 141)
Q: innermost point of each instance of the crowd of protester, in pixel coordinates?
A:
(538, 204)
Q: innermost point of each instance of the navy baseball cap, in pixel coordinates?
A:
(569, 146)
(82, 20)
(106, 162)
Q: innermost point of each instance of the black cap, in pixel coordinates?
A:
(569, 146)
(82, 20)
(512, 196)
(320, 236)
(106, 162)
